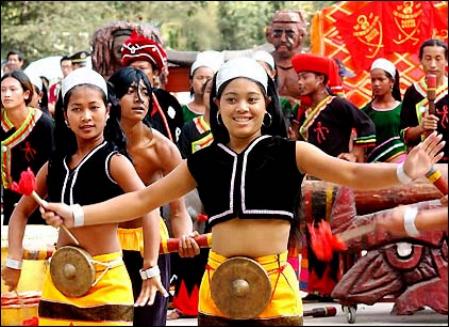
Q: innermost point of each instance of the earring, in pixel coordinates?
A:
(219, 122)
(271, 120)
(67, 123)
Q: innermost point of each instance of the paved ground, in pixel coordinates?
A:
(366, 315)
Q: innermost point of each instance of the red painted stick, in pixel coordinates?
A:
(172, 244)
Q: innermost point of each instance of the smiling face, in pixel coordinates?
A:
(86, 113)
(242, 108)
(135, 103)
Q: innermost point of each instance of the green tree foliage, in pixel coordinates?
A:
(45, 28)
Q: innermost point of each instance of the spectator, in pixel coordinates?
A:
(329, 122)
(416, 121)
(15, 58)
(204, 68)
(79, 59)
(27, 137)
(385, 110)
(53, 92)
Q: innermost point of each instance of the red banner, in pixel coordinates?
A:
(358, 32)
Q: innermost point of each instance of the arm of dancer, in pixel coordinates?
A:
(125, 207)
(365, 176)
(16, 230)
(409, 221)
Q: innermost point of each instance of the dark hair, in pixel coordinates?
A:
(276, 128)
(65, 140)
(119, 84)
(24, 81)
(396, 91)
(432, 43)
(203, 88)
(15, 52)
(64, 58)
(43, 104)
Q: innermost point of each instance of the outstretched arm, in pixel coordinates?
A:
(364, 176)
(425, 220)
(127, 206)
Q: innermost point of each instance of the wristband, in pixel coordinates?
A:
(401, 174)
(14, 264)
(78, 215)
(409, 221)
(149, 273)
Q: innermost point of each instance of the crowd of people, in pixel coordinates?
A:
(124, 165)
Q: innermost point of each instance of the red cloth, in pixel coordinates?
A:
(305, 62)
(139, 47)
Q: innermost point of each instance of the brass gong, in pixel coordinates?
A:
(72, 271)
(240, 288)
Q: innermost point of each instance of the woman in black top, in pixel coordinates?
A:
(249, 182)
(86, 167)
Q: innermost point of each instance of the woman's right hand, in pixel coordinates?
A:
(429, 122)
(11, 277)
(57, 214)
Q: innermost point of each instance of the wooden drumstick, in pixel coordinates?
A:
(431, 81)
(172, 244)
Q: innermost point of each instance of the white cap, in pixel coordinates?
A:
(35, 80)
(209, 58)
(242, 67)
(265, 56)
(384, 64)
(83, 75)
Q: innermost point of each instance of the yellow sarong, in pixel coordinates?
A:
(131, 239)
(285, 300)
(108, 303)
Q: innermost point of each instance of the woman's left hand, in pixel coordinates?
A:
(148, 292)
(421, 158)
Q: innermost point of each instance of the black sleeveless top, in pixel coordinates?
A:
(261, 182)
(90, 182)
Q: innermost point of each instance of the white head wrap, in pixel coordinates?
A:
(385, 65)
(35, 80)
(209, 58)
(242, 67)
(265, 56)
(83, 75)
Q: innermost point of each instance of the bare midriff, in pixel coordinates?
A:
(250, 237)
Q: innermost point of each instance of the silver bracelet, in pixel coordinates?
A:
(409, 221)
(78, 215)
(150, 272)
(14, 264)
(402, 175)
